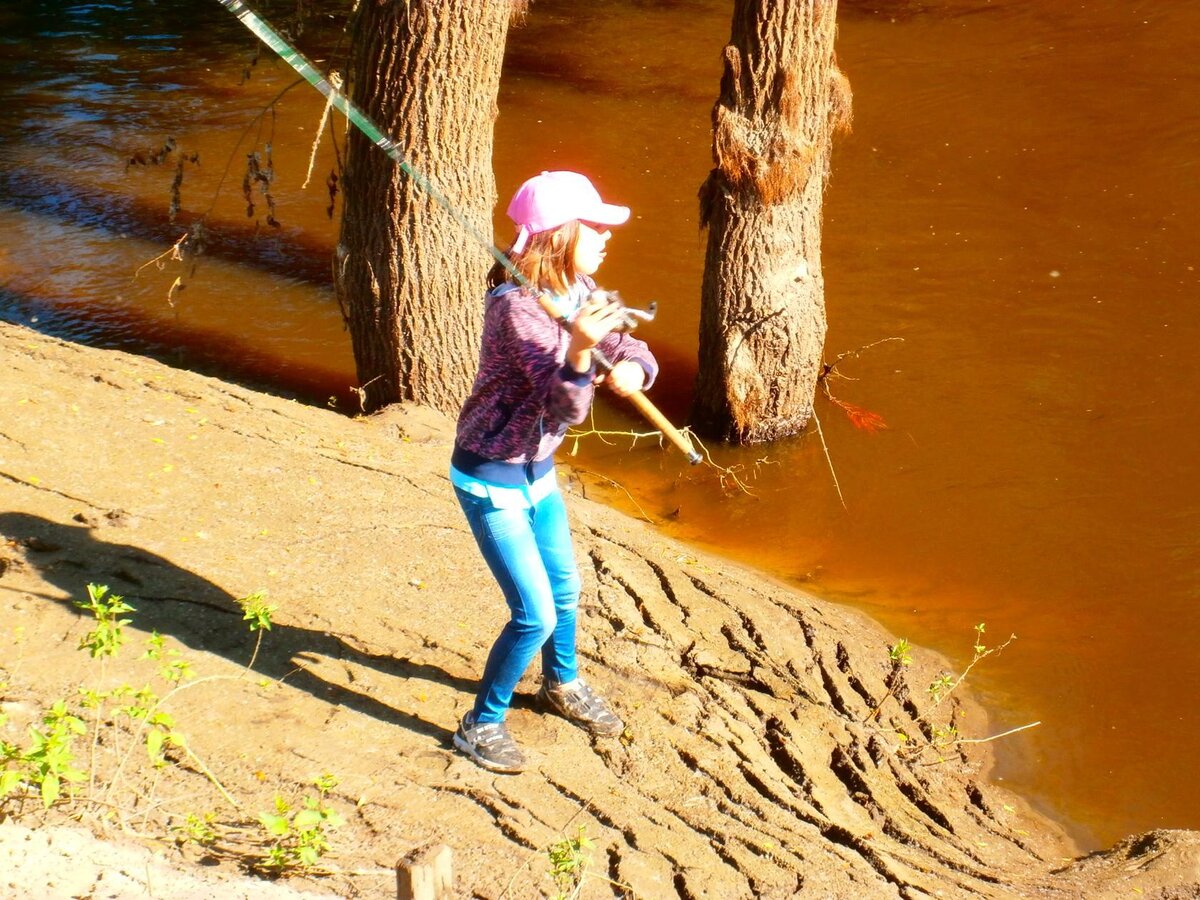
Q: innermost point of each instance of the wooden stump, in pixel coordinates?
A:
(425, 874)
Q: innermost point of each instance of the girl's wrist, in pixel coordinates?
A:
(580, 360)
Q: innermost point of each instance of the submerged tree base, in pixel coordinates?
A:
(762, 329)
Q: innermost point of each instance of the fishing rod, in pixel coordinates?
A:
(360, 120)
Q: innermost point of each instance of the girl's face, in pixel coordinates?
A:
(589, 249)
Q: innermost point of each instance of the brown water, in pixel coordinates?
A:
(1016, 209)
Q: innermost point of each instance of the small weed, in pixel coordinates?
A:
(173, 670)
(901, 652)
(257, 612)
(48, 761)
(900, 655)
(939, 687)
(198, 829)
(569, 862)
(299, 837)
(922, 736)
(106, 638)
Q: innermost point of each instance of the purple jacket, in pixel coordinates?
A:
(525, 395)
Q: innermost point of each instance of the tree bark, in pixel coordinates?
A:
(762, 328)
(409, 276)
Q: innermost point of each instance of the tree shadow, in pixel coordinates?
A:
(203, 616)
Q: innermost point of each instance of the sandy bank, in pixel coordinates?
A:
(752, 765)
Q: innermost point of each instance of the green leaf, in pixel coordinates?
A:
(9, 781)
(154, 744)
(276, 825)
(50, 789)
(164, 719)
(154, 646)
(39, 740)
(307, 819)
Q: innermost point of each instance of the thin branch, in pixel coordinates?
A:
(335, 80)
(725, 472)
(980, 656)
(144, 723)
(830, 368)
(253, 656)
(996, 737)
(617, 484)
(828, 459)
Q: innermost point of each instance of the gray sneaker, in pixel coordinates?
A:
(490, 745)
(583, 706)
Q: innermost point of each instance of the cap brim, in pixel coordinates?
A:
(607, 214)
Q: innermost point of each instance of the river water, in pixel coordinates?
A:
(1010, 243)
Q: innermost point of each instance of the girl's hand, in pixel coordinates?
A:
(595, 319)
(625, 378)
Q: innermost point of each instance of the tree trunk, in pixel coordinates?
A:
(762, 327)
(409, 276)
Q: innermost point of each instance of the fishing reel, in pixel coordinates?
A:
(631, 316)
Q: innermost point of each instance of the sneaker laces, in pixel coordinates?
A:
(581, 699)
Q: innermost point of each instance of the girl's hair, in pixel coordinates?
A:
(548, 260)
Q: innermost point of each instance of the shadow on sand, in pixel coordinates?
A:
(201, 615)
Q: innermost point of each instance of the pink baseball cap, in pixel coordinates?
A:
(551, 199)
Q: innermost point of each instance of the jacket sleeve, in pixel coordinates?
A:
(619, 347)
(537, 345)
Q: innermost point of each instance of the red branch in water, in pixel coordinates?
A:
(860, 418)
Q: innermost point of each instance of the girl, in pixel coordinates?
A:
(535, 378)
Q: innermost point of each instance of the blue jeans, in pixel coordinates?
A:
(529, 552)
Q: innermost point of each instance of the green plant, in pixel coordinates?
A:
(942, 686)
(257, 612)
(900, 652)
(569, 861)
(152, 725)
(939, 687)
(106, 638)
(174, 669)
(48, 763)
(198, 829)
(944, 736)
(129, 721)
(299, 837)
(923, 735)
(49, 759)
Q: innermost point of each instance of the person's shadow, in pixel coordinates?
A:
(198, 614)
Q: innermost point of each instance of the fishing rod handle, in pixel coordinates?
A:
(651, 412)
(673, 434)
